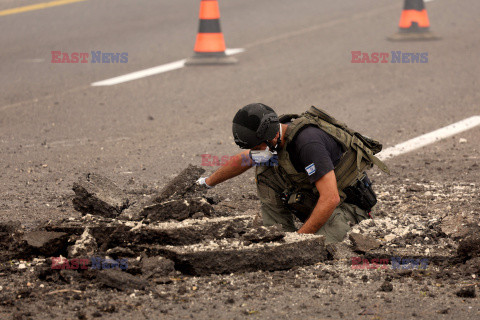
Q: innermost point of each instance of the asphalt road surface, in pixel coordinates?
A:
(54, 125)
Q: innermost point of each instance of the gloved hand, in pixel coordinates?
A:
(201, 182)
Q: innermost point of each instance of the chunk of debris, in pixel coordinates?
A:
(470, 246)
(45, 243)
(363, 243)
(471, 267)
(9, 232)
(98, 195)
(157, 267)
(83, 247)
(10, 226)
(456, 226)
(467, 292)
(111, 233)
(121, 280)
(386, 286)
(340, 251)
(231, 255)
(264, 234)
(120, 252)
(176, 209)
(182, 184)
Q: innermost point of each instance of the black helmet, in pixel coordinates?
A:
(254, 124)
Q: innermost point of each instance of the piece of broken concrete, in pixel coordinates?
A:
(98, 195)
(111, 233)
(119, 252)
(10, 232)
(231, 255)
(182, 184)
(45, 243)
(157, 267)
(121, 280)
(176, 209)
(264, 234)
(470, 246)
(363, 243)
(467, 292)
(340, 251)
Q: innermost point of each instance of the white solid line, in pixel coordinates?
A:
(427, 0)
(153, 71)
(141, 74)
(429, 138)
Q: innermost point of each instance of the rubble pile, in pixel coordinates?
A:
(179, 199)
(127, 241)
(421, 222)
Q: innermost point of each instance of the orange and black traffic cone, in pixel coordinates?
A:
(414, 23)
(210, 44)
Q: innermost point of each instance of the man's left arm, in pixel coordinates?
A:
(327, 202)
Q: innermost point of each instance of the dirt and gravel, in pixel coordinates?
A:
(418, 258)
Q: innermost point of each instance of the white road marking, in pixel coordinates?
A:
(430, 138)
(231, 52)
(153, 71)
(427, 0)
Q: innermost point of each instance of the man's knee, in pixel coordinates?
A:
(339, 223)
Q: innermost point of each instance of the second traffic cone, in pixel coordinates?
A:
(210, 44)
(414, 23)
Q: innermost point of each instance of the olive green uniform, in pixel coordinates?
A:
(274, 211)
(358, 156)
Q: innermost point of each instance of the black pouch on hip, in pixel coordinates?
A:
(361, 194)
(300, 203)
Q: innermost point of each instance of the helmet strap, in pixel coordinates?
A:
(279, 142)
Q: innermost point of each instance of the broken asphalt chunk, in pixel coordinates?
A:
(470, 246)
(467, 292)
(264, 234)
(231, 255)
(157, 267)
(182, 184)
(45, 242)
(340, 251)
(110, 233)
(176, 209)
(363, 243)
(98, 195)
(121, 280)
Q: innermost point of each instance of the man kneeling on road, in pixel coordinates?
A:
(309, 165)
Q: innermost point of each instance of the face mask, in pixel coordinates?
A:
(261, 156)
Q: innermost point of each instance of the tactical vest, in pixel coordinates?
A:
(358, 151)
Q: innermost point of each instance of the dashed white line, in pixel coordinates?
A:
(430, 138)
(153, 71)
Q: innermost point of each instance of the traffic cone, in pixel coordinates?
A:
(210, 44)
(414, 23)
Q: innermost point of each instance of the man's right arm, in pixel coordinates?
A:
(237, 164)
